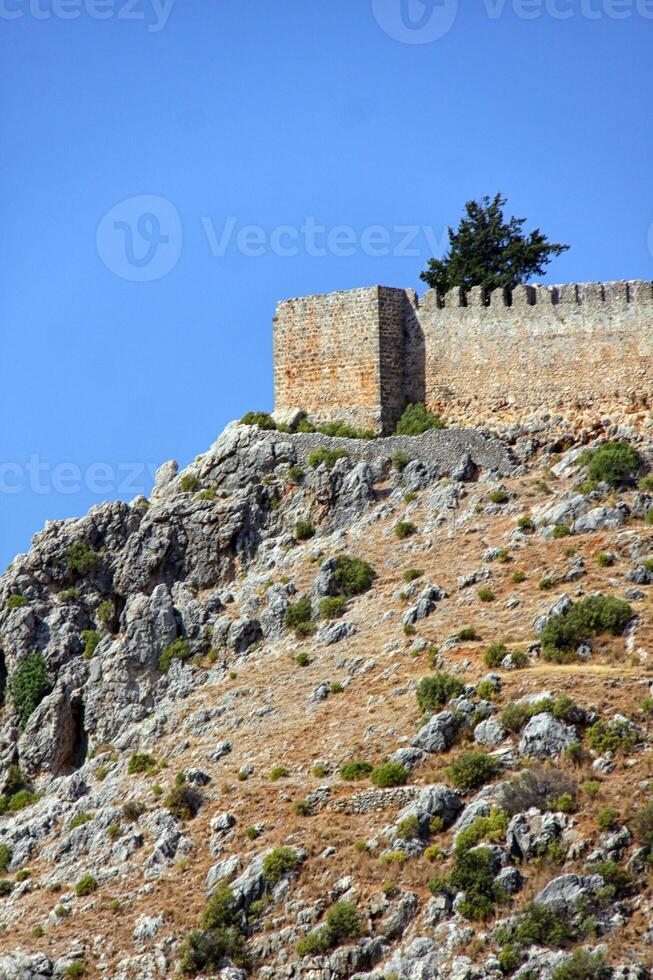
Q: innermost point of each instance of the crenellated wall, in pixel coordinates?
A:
(569, 350)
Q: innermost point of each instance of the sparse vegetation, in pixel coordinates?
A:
(141, 762)
(614, 463)
(298, 616)
(29, 685)
(304, 531)
(86, 886)
(332, 607)
(279, 863)
(405, 529)
(353, 576)
(590, 617)
(262, 420)
(486, 595)
(328, 457)
(342, 923)
(389, 774)
(82, 559)
(416, 420)
(16, 601)
(472, 770)
(435, 691)
(412, 574)
(356, 769)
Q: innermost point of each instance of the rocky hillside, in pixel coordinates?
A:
(327, 708)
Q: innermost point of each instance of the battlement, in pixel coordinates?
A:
(362, 355)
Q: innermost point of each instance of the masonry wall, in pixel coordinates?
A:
(568, 350)
(340, 356)
(579, 350)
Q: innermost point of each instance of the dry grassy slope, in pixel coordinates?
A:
(368, 719)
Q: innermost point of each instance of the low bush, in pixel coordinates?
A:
(472, 770)
(604, 559)
(491, 828)
(618, 882)
(183, 801)
(332, 607)
(328, 457)
(590, 617)
(389, 774)
(304, 531)
(279, 863)
(416, 420)
(408, 828)
(486, 595)
(495, 654)
(473, 873)
(353, 576)
(467, 635)
(81, 558)
(643, 824)
(435, 691)
(75, 969)
(86, 886)
(543, 925)
(262, 420)
(405, 529)
(583, 965)
(614, 463)
(5, 857)
(526, 524)
(16, 601)
(499, 497)
(277, 773)
(90, 639)
(140, 762)
(302, 659)
(486, 690)
(79, 820)
(189, 483)
(561, 531)
(221, 936)
(105, 613)
(29, 685)
(400, 461)
(355, 770)
(342, 923)
(132, 810)
(611, 736)
(518, 577)
(516, 715)
(179, 649)
(299, 614)
(411, 574)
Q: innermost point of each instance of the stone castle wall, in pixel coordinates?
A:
(575, 350)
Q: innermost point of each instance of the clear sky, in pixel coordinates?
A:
(172, 168)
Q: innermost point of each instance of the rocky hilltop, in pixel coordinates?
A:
(326, 707)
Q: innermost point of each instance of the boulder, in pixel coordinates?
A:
(544, 737)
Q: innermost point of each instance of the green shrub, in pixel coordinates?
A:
(279, 863)
(509, 959)
(86, 886)
(141, 762)
(499, 497)
(405, 529)
(643, 824)
(472, 770)
(353, 576)
(408, 828)
(183, 801)
(485, 689)
(302, 808)
(389, 774)
(355, 770)
(29, 685)
(545, 584)
(342, 923)
(179, 649)
(473, 873)
(617, 879)
(302, 659)
(561, 531)
(495, 654)
(611, 736)
(90, 639)
(614, 463)
(81, 558)
(327, 456)
(467, 635)
(583, 965)
(5, 857)
(435, 691)
(543, 925)
(221, 936)
(591, 616)
(591, 787)
(262, 420)
(69, 595)
(298, 613)
(411, 574)
(295, 473)
(16, 601)
(105, 613)
(319, 770)
(416, 419)
(604, 559)
(516, 715)
(526, 523)
(607, 818)
(486, 595)
(518, 577)
(278, 772)
(6, 888)
(491, 828)
(332, 607)
(132, 810)
(400, 461)
(75, 969)
(304, 531)
(252, 833)
(79, 820)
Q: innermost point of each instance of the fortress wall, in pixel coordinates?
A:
(327, 355)
(560, 349)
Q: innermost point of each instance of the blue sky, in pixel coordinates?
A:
(267, 150)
